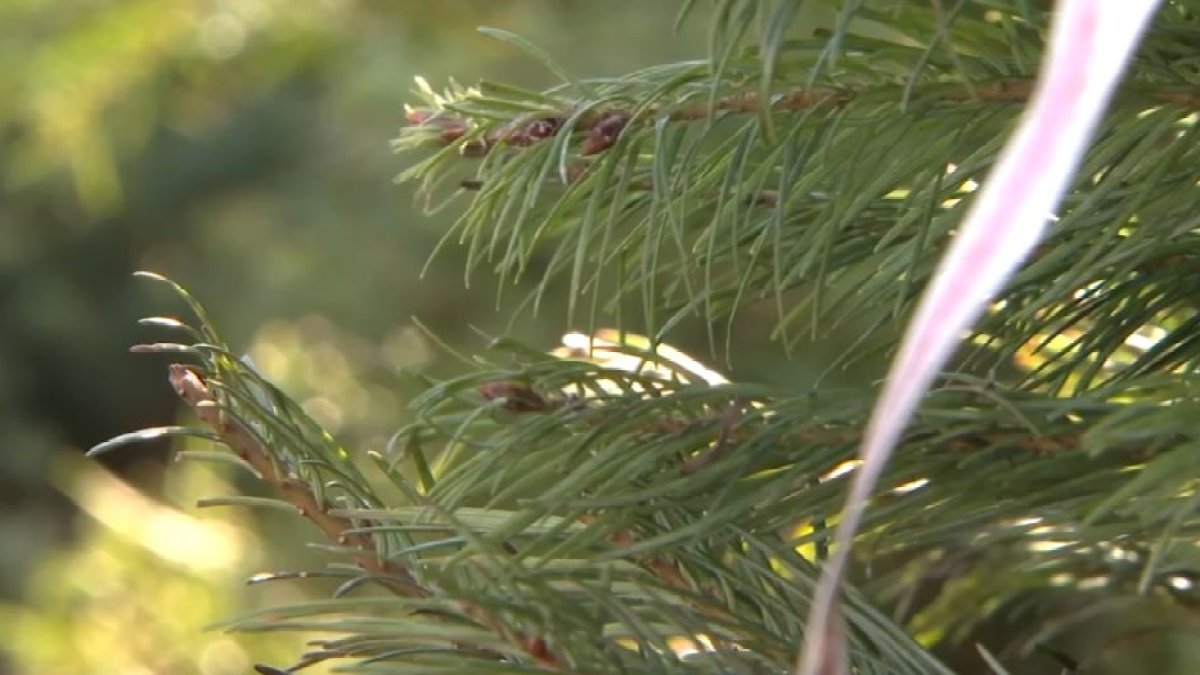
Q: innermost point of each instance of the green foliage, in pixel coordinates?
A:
(570, 540)
(589, 509)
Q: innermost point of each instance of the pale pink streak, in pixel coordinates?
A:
(1090, 42)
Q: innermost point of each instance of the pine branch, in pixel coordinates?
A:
(190, 387)
(716, 216)
(601, 129)
(1009, 463)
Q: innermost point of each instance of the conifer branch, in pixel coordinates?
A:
(191, 387)
(602, 128)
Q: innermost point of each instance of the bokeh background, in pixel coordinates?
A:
(240, 147)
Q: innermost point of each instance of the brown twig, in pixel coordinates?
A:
(195, 392)
(751, 102)
(731, 416)
(191, 387)
(575, 172)
(602, 128)
(520, 397)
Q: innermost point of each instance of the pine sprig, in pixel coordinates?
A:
(316, 478)
(490, 566)
(681, 191)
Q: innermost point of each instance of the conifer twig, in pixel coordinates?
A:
(602, 128)
(191, 387)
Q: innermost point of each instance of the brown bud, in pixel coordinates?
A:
(518, 398)
(536, 647)
(541, 128)
(532, 131)
(452, 131)
(450, 128)
(417, 115)
(477, 148)
(605, 133)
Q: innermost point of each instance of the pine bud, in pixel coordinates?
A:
(518, 398)
(605, 133)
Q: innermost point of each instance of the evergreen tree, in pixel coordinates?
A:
(616, 506)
